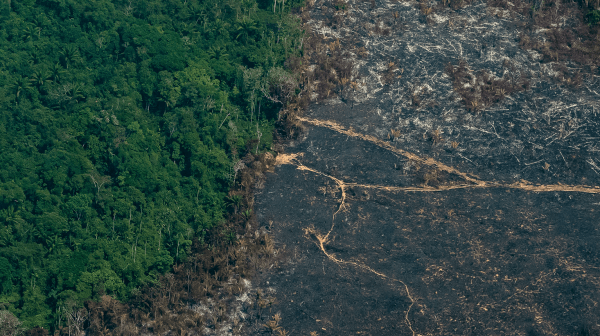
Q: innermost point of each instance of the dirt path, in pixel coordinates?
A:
(425, 199)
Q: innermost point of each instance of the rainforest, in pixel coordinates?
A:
(123, 125)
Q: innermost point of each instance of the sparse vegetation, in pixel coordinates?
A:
(436, 137)
(394, 134)
(390, 73)
(273, 325)
(430, 176)
(425, 9)
(482, 90)
(561, 42)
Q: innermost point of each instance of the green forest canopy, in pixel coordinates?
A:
(120, 123)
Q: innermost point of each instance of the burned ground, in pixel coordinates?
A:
(448, 184)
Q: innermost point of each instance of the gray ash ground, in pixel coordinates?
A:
(500, 259)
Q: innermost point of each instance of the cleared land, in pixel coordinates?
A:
(448, 185)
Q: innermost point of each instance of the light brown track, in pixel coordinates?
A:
(323, 239)
(474, 179)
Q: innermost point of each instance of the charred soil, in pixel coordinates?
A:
(444, 177)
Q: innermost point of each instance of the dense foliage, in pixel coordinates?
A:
(120, 126)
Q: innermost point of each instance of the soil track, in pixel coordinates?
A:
(413, 205)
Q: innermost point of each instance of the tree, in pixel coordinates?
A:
(70, 55)
(99, 181)
(56, 72)
(6, 275)
(40, 76)
(168, 88)
(279, 85)
(34, 308)
(245, 29)
(20, 86)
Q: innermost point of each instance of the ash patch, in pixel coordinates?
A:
(528, 121)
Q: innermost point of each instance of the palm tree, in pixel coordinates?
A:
(217, 52)
(35, 56)
(220, 26)
(70, 55)
(76, 91)
(20, 85)
(244, 29)
(40, 76)
(56, 72)
(29, 32)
